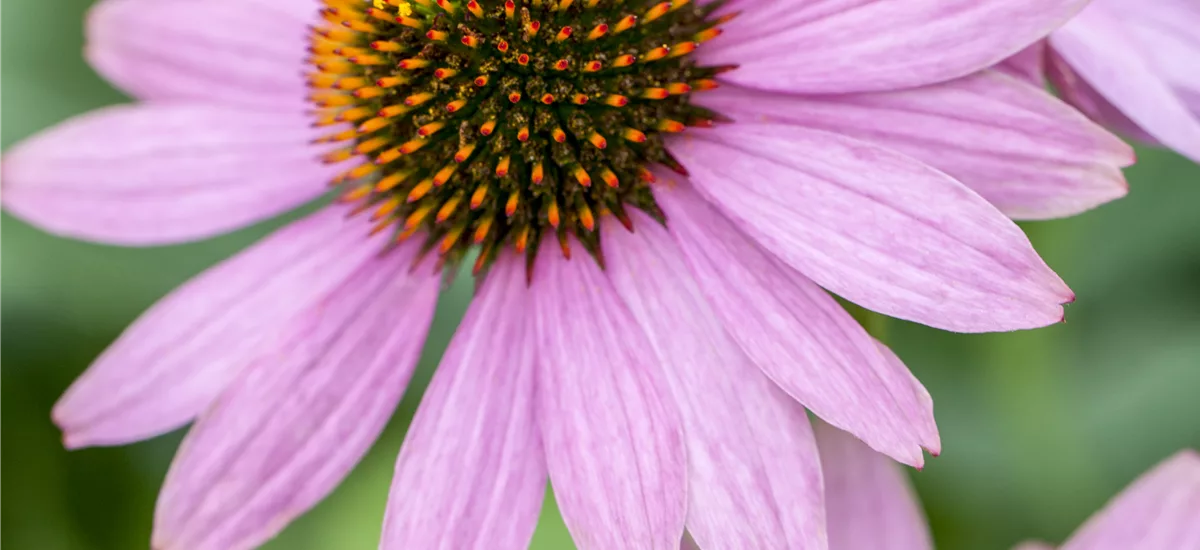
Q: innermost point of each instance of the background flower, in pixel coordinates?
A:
(1157, 511)
(1129, 65)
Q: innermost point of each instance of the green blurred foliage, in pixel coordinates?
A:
(1039, 428)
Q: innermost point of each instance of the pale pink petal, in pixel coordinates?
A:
(1158, 511)
(291, 427)
(163, 173)
(172, 362)
(612, 433)
(754, 480)
(840, 46)
(876, 227)
(471, 473)
(1166, 34)
(800, 336)
(869, 501)
(235, 51)
(1087, 100)
(1030, 155)
(1028, 64)
(1104, 53)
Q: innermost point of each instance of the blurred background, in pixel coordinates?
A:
(1039, 428)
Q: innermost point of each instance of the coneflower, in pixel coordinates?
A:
(650, 322)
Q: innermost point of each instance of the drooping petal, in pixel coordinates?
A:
(172, 362)
(1159, 510)
(1030, 155)
(844, 46)
(1101, 51)
(291, 427)
(876, 227)
(1028, 64)
(231, 51)
(800, 336)
(612, 433)
(754, 477)
(163, 173)
(869, 500)
(471, 473)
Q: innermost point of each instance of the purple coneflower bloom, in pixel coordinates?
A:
(1133, 66)
(869, 502)
(1158, 511)
(658, 379)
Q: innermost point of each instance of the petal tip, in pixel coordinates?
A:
(60, 417)
(914, 457)
(1130, 156)
(1123, 186)
(934, 447)
(73, 441)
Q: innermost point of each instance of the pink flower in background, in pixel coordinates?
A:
(1133, 66)
(1159, 511)
(855, 149)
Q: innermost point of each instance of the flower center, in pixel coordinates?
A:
(497, 123)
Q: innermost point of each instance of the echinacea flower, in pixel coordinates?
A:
(659, 378)
(1158, 511)
(1133, 66)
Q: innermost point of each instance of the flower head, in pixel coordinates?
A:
(1130, 66)
(496, 126)
(1157, 511)
(659, 380)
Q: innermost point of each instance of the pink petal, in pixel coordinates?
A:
(754, 480)
(876, 227)
(1028, 64)
(1087, 100)
(800, 336)
(840, 46)
(232, 51)
(1166, 32)
(1104, 53)
(471, 473)
(1159, 510)
(1030, 155)
(300, 417)
(177, 357)
(163, 173)
(613, 437)
(869, 500)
